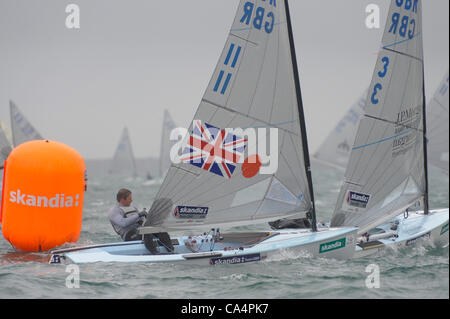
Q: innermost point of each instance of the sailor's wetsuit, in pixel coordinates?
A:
(125, 221)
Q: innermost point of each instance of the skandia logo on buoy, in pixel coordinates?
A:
(59, 200)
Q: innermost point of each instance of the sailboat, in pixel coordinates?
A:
(5, 145)
(22, 130)
(123, 163)
(166, 144)
(335, 150)
(223, 180)
(387, 170)
(438, 126)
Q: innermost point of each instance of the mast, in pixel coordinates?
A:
(425, 145)
(301, 118)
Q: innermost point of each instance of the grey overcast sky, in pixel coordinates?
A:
(131, 59)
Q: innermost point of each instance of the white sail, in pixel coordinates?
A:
(335, 150)
(123, 163)
(438, 126)
(5, 145)
(253, 86)
(22, 130)
(385, 173)
(166, 143)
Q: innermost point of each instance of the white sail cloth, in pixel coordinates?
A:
(22, 130)
(123, 163)
(385, 173)
(252, 87)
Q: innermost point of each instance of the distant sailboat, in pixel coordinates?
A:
(123, 162)
(166, 144)
(438, 126)
(335, 150)
(5, 145)
(22, 130)
(387, 170)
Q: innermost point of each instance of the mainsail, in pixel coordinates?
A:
(386, 172)
(438, 127)
(22, 130)
(123, 163)
(166, 144)
(5, 145)
(335, 150)
(254, 89)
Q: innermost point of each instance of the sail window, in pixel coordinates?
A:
(280, 193)
(396, 193)
(250, 194)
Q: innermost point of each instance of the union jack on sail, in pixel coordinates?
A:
(213, 149)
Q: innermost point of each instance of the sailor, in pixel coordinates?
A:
(124, 218)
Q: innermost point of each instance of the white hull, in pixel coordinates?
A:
(338, 243)
(415, 228)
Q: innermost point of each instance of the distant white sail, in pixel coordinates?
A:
(166, 144)
(22, 130)
(253, 86)
(123, 163)
(385, 173)
(5, 145)
(335, 150)
(438, 126)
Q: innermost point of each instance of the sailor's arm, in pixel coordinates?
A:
(121, 221)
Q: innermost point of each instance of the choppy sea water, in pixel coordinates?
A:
(419, 272)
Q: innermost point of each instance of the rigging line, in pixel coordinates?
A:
(402, 41)
(243, 39)
(380, 141)
(275, 124)
(395, 123)
(445, 109)
(404, 54)
(248, 116)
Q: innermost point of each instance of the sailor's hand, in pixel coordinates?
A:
(143, 214)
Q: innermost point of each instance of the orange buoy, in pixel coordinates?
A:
(42, 196)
